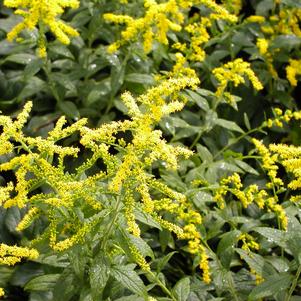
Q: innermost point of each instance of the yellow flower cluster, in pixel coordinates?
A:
(1, 292)
(255, 19)
(28, 218)
(10, 255)
(281, 118)
(42, 13)
(160, 18)
(262, 45)
(292, 70)
(290, 158)
(195, 247)
(233, 6)
(248, 242)
(126, 176)
(286, 21)
(199, 36)
(233, 185)
(234, 72)
(269, 163)
(258, 278)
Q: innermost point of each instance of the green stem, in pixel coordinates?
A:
(47, 69)
(230, 280)
(294, 284)
(237, 139)
(162, 286)
(110, 228)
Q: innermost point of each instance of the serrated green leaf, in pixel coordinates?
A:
(198, 99)
(271, 286)
(129, 279)
(230, 125)
(69, 109)
(163, 261)
(182, 289)
(139, 78)
(273, 235)
(32, 68)
(42, 283)
(256, 262)
(99, 274)
(21, 58)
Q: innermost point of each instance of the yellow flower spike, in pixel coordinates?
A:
(290, 158)
(292, 70)
(5, 193)
(159, 19)
(262, 45)
(43, 12)
(256, 19)
(248, 242)
(2, 292)
(204, 265)
(140, 260)
(234, 6)
(234, 72)
(10, 255)
(269, 162)
(32, 214)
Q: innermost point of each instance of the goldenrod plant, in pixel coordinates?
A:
(150, 150)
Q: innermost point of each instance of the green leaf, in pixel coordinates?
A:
(182, 289)
(246, 167)
(162, 262)
(42, 283)
(33, 68)
(228, 240)
(256, 262)
(5, 274)
(230, 125)
(12, 218)
(61, 50)
(21, 58)
(271, 286)
(142, 246)
(66, 286)
(146, 219)
(246, 121)
(99, 274)
(200, 198)
(288, 42)
(130, 298)
(117, 78)
(273, 235)
(204, 153)
(34, 85)
(198, 99)
(97, 93)
(129, 279)
(139, 78)
(69, 108)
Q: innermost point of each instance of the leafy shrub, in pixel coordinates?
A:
(175, 174)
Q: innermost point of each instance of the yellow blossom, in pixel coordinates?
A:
(292, 70)
(262, 45)
(255, 19)
(10, 255)
(43, 13)
(234, 72)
